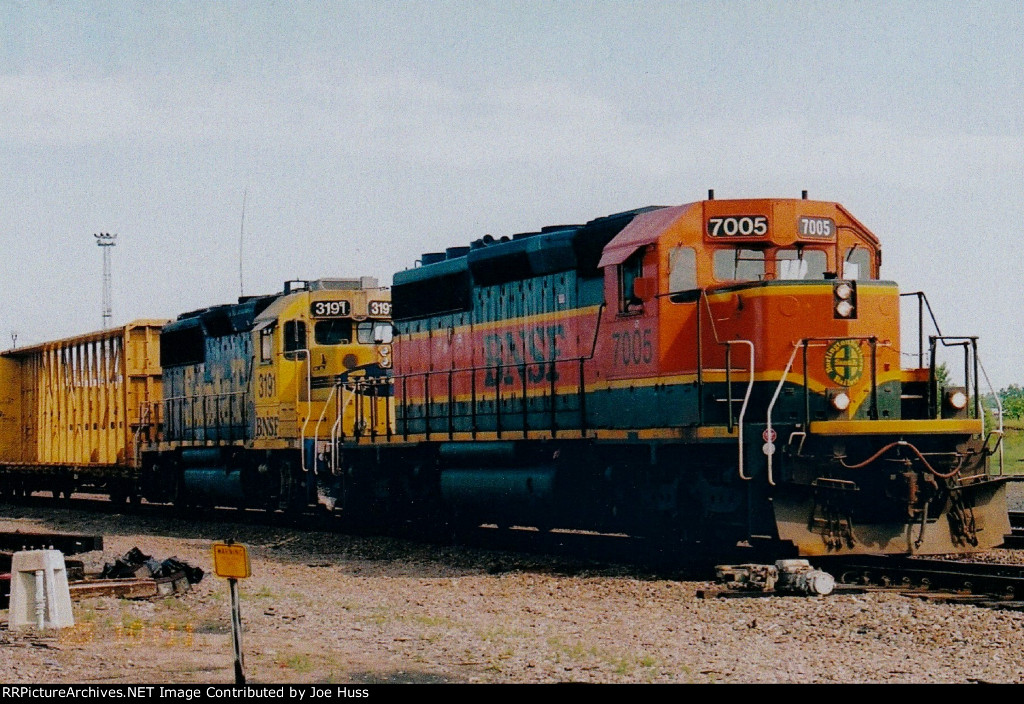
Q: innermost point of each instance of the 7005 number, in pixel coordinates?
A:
(816, 227)
(738, 226)
(635, 347)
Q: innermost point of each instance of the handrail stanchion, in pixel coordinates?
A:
(746, 400)
(775, 397)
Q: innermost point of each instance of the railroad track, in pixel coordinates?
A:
(984, 583)
(943, 578)
(580, 550)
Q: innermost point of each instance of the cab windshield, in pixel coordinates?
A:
(739, 264)
(795, 264)
(333, 332)
(374, 332)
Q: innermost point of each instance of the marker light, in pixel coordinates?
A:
(840, 401)
(958, 400)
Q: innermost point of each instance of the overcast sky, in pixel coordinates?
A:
(360, 134)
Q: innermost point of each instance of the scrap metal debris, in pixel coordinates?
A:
(135, 564)
(785, 576)
(136, 575)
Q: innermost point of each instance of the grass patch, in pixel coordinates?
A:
(501, 632)
(621, 664)
(298, 663)
(1013, 447)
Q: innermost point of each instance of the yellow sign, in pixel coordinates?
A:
(844, 362)
(231, 561)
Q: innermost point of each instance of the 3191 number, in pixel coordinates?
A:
(380, 308)
(329, 309)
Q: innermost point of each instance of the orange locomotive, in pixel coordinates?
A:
(726, 370)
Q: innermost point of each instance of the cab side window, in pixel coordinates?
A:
(333, 332)
(682, 269)
(629, 271)
(267, 344)
(294, 337)
(857, 263)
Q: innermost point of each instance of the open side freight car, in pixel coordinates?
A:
(725, 370)
(74, 413)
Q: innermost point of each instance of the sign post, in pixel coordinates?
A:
(231, 560)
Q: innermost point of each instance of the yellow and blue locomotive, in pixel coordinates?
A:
(255, 392)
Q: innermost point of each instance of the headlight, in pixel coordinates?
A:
(844, 299)
(840, 401)
(957, 399)
(844, 309)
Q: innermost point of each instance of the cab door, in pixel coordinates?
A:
(630, 340)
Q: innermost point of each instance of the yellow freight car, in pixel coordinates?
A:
(74, 412)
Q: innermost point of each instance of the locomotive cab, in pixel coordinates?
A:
(774, 313)
(316, 343)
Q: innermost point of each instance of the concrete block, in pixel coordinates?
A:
(40, 597)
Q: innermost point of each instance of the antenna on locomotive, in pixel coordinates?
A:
(241, 241)
(711, 194)
(803, 195)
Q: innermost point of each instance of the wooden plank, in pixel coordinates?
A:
(123, 588)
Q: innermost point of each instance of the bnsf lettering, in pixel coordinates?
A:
(266, 427)
(523, 352)
(632, 348)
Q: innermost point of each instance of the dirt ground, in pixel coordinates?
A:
(324, 607)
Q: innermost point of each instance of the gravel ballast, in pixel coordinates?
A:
(324, 607)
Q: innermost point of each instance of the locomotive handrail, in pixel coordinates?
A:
(771, 404)
(309, 399)
(970, 345)
(922, 303)
(999, 407)
(498, 370)
(316, 429)
(201, 400)
(746, 398)
(804, 344)
(338, 428)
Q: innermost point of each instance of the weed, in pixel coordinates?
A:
(299, 663)
(432, 621)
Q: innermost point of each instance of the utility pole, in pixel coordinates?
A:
(106, 241)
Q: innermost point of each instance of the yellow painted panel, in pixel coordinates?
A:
(956, 426)
(85, 400)
(10, 411)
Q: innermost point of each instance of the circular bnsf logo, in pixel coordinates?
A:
(844, 362)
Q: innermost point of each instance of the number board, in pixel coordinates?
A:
(330, 309)
(738, 226)
(380, 309)
(816, 227)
